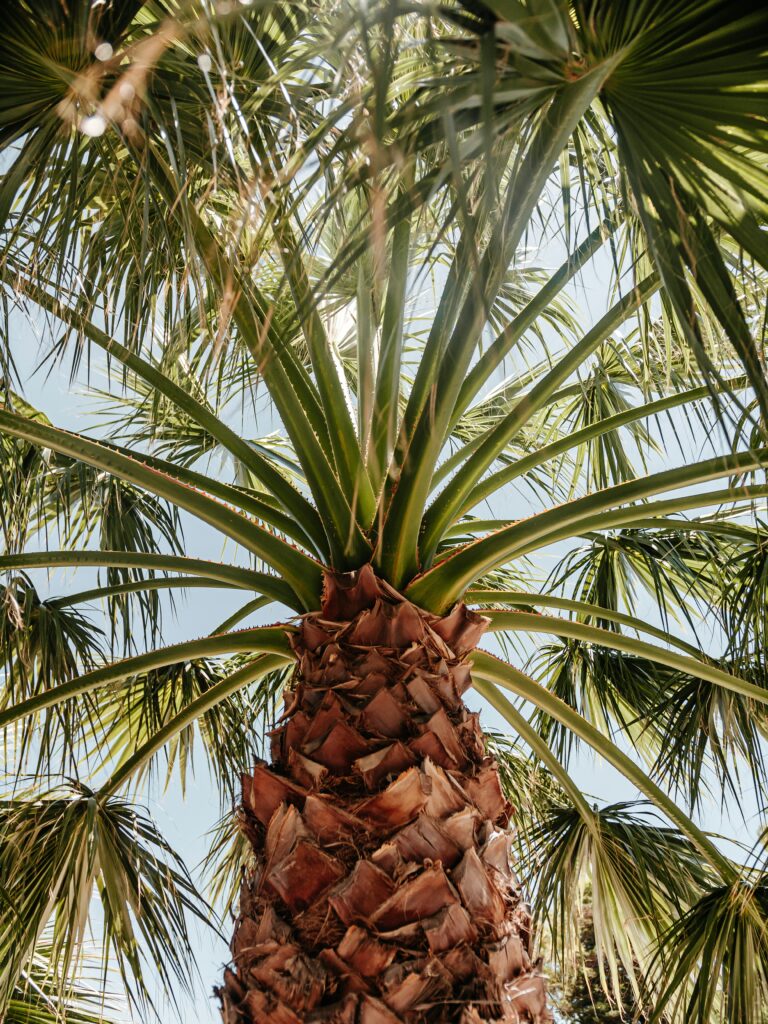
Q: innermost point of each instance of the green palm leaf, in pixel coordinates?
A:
(57, 850)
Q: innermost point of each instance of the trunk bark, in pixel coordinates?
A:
(383, 891)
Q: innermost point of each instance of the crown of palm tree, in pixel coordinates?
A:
(316, 217)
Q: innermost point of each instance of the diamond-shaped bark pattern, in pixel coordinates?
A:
(383, 892)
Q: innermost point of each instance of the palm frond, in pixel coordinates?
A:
(231, 733)
(714, 956)
(641, 874)
(41, 997)
(58, 850)
(44, 645)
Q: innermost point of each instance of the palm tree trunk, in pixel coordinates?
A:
(383, 891)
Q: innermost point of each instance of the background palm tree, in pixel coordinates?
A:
(582, 1000)
(288, 245)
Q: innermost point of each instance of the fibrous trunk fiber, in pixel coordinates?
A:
(383, 891)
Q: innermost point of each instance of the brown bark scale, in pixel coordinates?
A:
(383, 891)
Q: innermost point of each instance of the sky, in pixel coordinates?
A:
(186, 822)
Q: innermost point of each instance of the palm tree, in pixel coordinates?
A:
(317, 216)
(582, 1000)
